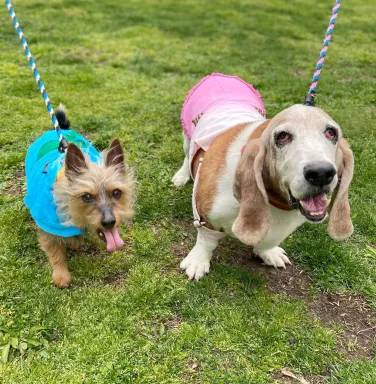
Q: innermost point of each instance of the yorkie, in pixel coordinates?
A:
(74, 192)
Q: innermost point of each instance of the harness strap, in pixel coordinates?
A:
(197, 219)
(207, 233)
(211, 234)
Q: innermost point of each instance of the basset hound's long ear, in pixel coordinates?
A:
(252, 223)
(340, 225)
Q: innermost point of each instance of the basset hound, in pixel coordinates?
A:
(258, 180)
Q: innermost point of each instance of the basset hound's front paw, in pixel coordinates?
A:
(180, 179)
(195, 266)
(275, 257)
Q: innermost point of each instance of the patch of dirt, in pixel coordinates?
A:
(310, 379)
(350, 313)
(173, 323)
(16, 186)
(191, 370)
(115, 280)
(157, 327)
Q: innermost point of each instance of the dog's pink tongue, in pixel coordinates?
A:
(315, 203)
(113, 240)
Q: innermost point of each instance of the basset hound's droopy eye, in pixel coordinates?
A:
(282, 138)
(331, 134)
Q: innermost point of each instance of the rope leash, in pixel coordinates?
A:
(309, 100)
(63, 143)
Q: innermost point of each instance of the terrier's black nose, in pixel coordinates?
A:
(319, 174)
(108, 219)
(108, 223)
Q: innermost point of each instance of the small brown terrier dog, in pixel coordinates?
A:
(96, 196)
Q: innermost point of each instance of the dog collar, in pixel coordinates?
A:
(278, 202)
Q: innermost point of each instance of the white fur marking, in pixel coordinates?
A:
(197, 263)
(183, 175)
(275, 257)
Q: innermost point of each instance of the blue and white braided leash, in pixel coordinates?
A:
(63, 144)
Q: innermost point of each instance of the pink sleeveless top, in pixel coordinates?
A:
(216, 104)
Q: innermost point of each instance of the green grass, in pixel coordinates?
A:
(123, 68)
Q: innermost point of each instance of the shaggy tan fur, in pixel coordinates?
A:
(82, 177)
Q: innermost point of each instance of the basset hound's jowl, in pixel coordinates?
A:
(258, 180)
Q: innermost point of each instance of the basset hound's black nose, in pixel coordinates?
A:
(319, 174)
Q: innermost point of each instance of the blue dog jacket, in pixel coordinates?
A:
(43, 163)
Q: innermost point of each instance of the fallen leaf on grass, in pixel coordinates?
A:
(14, 342)
(5, 353)
(287, 373)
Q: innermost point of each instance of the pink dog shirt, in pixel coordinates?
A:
(216, 104)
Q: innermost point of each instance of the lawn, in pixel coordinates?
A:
(123, 69)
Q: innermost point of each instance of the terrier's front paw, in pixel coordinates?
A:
(195, 268)
(275, 257)
(61, 278)
(76, 242)
(179, 180)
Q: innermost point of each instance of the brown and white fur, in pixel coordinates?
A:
(234, 185)
(86, 195)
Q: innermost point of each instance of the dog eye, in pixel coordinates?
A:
(283, 138)
(116, 193)
(330, 133)
(87, 197)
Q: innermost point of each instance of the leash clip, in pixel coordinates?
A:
(63, 145)
(309, 100)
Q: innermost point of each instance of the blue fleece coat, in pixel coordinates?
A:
(42, 164)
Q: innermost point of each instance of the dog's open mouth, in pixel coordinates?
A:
(314, 207)
(112, 238)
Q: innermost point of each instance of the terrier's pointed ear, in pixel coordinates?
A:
(115, 155)
(75, 163)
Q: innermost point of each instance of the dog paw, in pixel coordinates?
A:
(179, 180)
(61, 279)
(275, 257)
(195, 268)
(76, 242)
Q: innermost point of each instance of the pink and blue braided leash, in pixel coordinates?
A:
(309, 100)
(63, 144)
